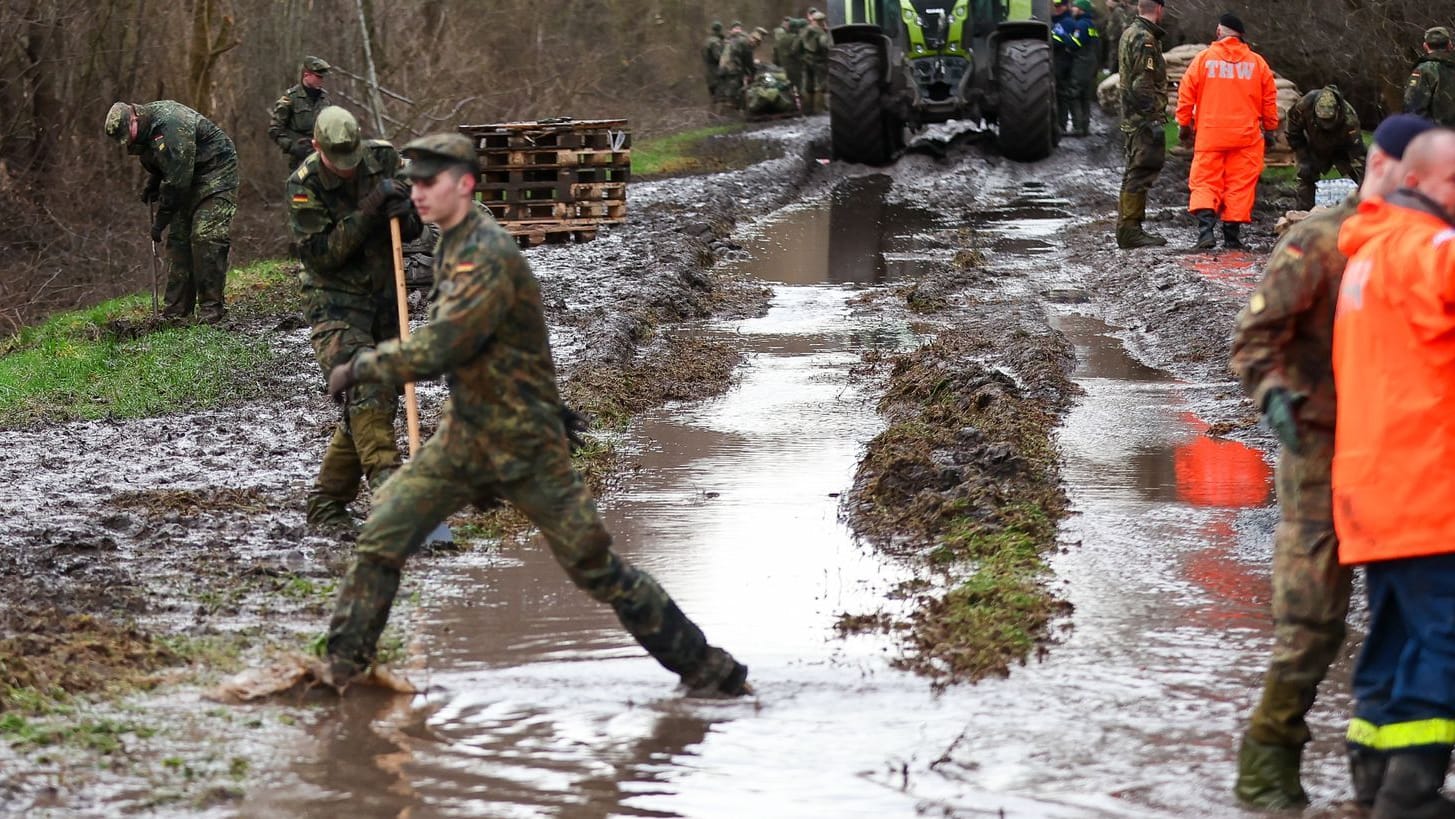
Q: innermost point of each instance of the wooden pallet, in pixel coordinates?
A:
(553, 181)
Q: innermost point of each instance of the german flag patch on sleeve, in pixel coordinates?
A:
(300, 198)
(465, 267)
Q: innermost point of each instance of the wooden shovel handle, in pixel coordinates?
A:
(411, 404)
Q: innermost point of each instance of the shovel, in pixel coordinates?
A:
(156, 269)
(441, 533)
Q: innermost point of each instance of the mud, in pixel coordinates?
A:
(936, 385)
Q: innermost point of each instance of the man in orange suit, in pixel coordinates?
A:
(1394, 501)
(1227, 107)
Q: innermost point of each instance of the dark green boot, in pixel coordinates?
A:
(1131, 211)
(1411, 787)
(1268, 776)
(1207, 222)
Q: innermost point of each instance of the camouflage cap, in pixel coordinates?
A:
(760, 32)
(736, 24)
(317, 65)
(433, 153)
(1437, 37)
(817, 15)
(118, 122)
(337, 134)
(1326, 104)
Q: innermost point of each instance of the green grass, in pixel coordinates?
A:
(675, 153)
(100, 736)
(101, 362)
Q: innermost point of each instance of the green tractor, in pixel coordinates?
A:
(900, 64)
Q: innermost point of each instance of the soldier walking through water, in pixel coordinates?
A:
(192, 167)
(501, 437)
(1283, 354)
(339, 203)
(1143, 81)
(295, 112)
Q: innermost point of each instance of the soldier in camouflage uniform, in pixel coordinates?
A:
(1282, 353)
(739, 65)
(792, 58)
(729, 87)
(711, 55)
(1430, 92)
(501, 437)
(813, 55)
(1323, 130)
(193, 180)
(1143, 81)
(294, 112)
(339, 203)
(1119, 15)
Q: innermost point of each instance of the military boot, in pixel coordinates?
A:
(1268, 776)
(1132, 210)
(1207, 222)
(336, 486)
(1366, 769)
(210, 260)
(1411, 787)
(1231, 238)
(1305, 198)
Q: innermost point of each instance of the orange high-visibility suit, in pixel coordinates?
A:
(1394, 374)
(1228, 97)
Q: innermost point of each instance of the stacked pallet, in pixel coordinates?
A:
(555, 180)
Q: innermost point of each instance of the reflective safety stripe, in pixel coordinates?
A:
(1398, 735)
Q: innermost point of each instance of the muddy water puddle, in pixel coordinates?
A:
(540, 705)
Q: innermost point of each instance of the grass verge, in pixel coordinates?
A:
(965, 478)
(679, 153)
(114, 360)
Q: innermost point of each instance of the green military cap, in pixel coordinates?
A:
(433, 153)
(1326, 104)
(735, 24)
(716, 26)
(337, 134)
(317, 65)
(1437, 37)
(118, 122)
(1084, 5)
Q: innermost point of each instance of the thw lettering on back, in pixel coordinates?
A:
(1222, 69)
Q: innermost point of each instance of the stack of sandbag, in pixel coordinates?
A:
(1177, 61)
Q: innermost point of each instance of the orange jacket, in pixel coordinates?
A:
(1228, 96)
(1394, 373)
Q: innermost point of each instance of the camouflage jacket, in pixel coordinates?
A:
(1431, 88)
(187, 156)
(487, 336)
(712, 53)
(293, 116)
(813, 45)
(737, 56)
(1305, 133)
(1285, 334)
(1143, 75)
(783, 42)
(342, 250)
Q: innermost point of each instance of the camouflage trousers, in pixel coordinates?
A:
(1310, 593)
(1311, 166)
(447, 475)
(198, 242)
(815, 88)
(363, 444)
(1146, 151)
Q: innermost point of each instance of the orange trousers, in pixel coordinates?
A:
(1225, 182)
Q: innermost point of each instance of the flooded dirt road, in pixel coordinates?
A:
(537, 704)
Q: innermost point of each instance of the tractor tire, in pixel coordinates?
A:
(1027, 88)
(861, 127)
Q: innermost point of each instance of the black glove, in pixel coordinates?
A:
(575, 424)
(340, 379)
(398, 207)
(1269, 138)
(159, 226)
(373, 202)
(1186, 135)
(152, 192)
(1280, 408)
(302, 147)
